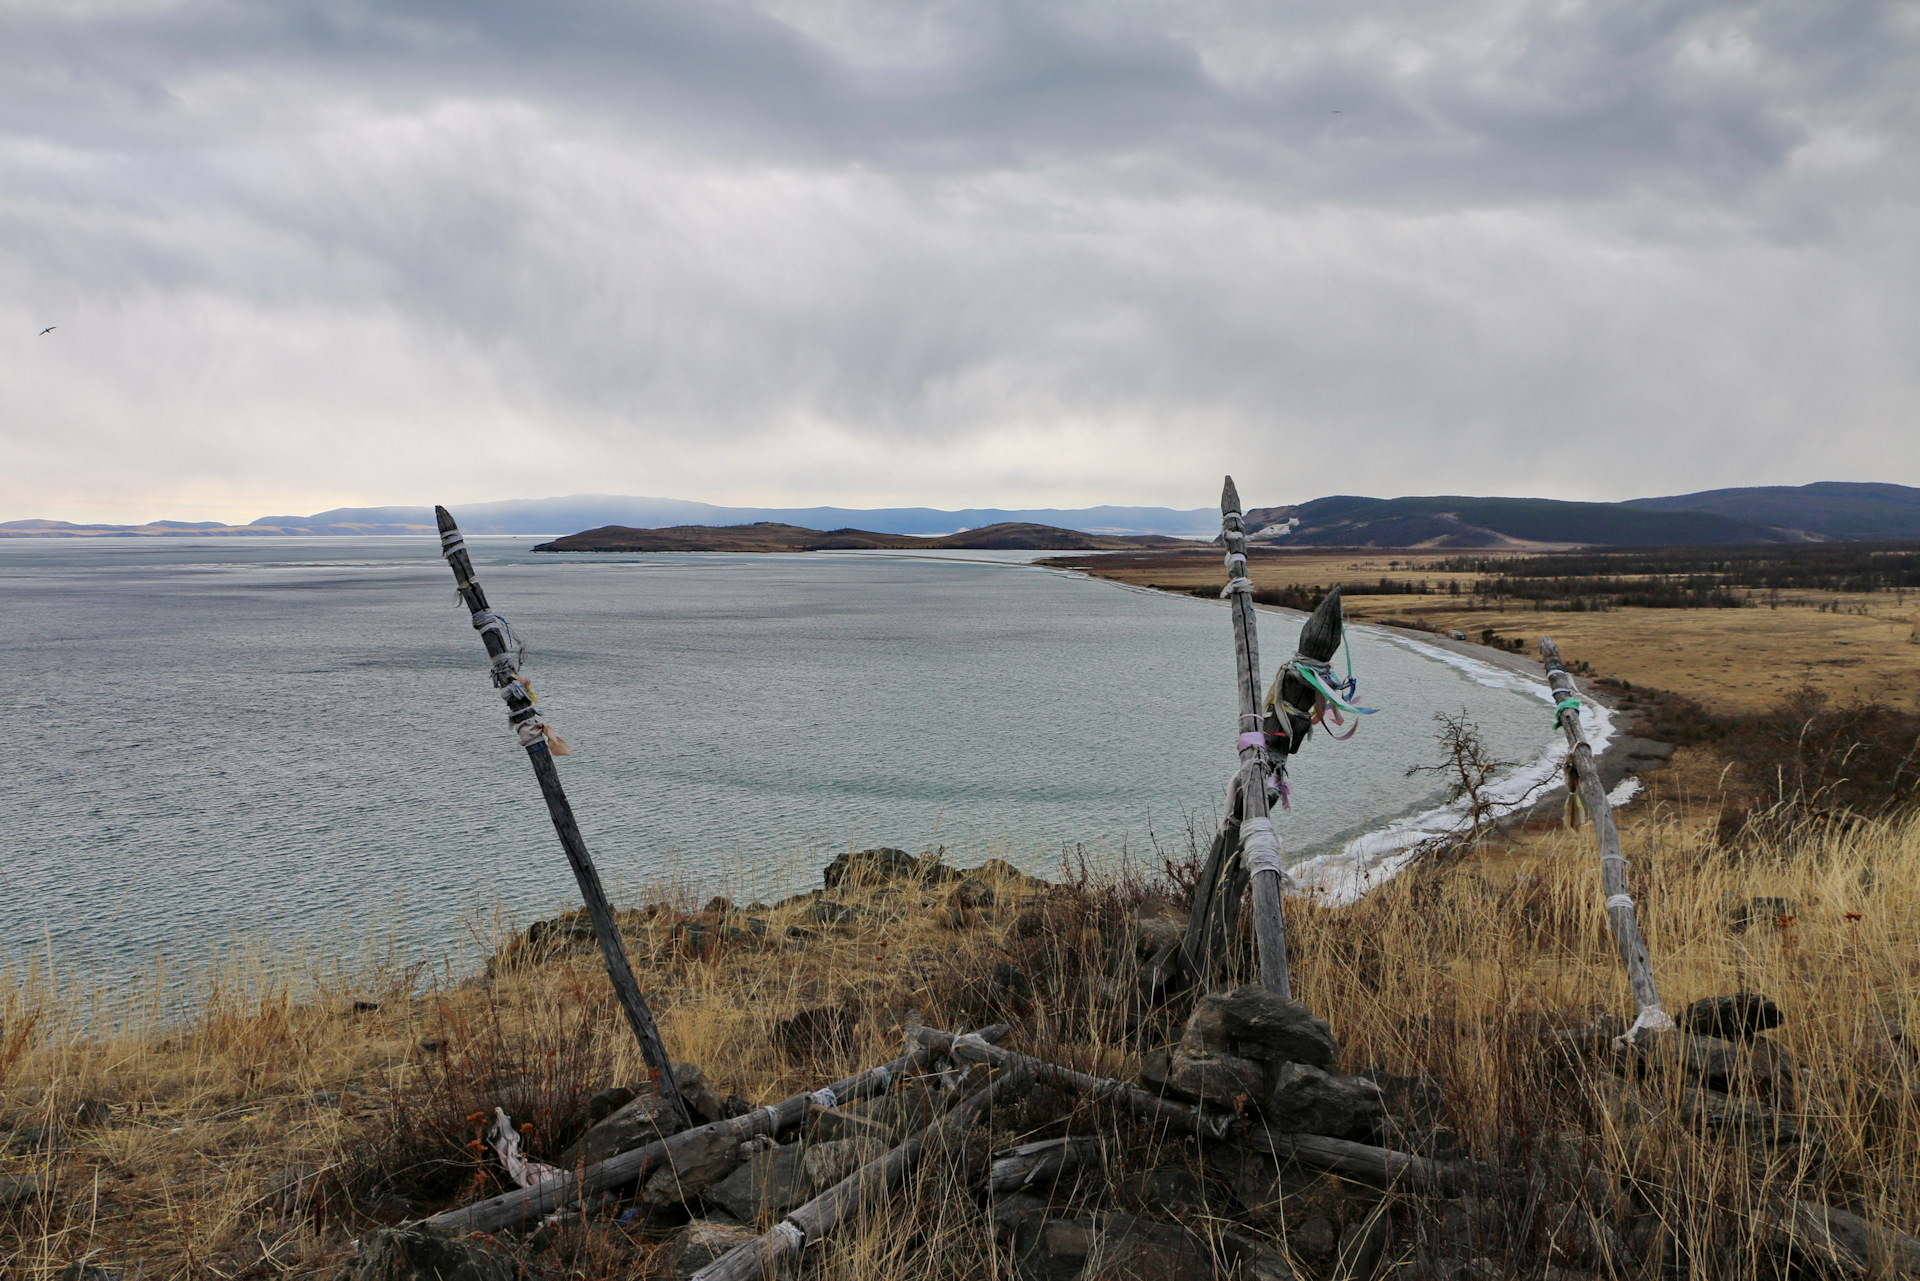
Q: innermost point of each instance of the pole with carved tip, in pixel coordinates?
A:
(1259, 848)
(542, 743)
(1613, 864)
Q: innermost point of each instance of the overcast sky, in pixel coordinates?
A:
(304, 254)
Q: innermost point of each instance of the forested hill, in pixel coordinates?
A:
(1830, 509)
(1763, 515)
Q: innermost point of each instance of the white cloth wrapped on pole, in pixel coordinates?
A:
(1260, 848)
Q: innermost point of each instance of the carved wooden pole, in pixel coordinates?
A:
(1613, 864)
(1259, 849)
(541, 743)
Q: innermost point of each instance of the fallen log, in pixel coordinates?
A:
(1019, 1168)
(1383, 1167)
(522, 1204)
(1180, 1116)
(1364, 1163)
(826, 1212)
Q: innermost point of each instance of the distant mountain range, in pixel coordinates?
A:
(1771, 514)
(585, 511)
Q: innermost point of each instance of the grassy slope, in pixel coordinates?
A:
(1355, 521)
(1450, 973)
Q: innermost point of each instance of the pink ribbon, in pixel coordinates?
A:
(1258, 738)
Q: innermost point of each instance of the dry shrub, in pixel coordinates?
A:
(538, 1062)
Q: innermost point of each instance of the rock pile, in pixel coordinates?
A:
(1250, 1049)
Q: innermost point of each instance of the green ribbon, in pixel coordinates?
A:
(1565, 704)
(1312, 678)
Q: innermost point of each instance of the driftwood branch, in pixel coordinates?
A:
(1613, 864)
(1216, 896)
(819, 1217)
(1364, 1163)
(1034, 1163)
(522, 1204)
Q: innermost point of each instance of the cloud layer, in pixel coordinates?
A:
(316, 253)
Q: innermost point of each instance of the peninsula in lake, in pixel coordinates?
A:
(770, 536)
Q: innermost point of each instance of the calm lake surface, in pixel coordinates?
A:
(229, 739)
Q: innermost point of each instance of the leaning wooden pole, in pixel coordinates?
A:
(1613, 864)
(540, 741)
(1259, 848)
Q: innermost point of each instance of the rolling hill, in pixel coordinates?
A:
(1828, 508)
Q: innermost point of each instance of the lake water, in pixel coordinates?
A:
(220, 739)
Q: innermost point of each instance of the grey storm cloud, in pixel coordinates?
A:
(317, 253)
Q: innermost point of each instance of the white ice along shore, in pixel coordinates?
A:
(1375, 857)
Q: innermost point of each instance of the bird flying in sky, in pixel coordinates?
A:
(49, 329)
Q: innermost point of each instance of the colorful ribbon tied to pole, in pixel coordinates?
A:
(1331, 697)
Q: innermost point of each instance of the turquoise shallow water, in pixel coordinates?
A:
(295, 738)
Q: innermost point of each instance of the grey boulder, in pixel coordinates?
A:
(701, 1242)
(1306, 1100)
(826, 1164)
(771, 1182)
(646, 1119)
(1257, 1024)
(690, 1169)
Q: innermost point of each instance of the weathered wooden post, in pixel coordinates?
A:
(1613, 864)
(541, 743)
(1259, 848)
(1300, 695)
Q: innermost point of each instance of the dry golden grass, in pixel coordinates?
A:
(1733, 660)
(218, 1159)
